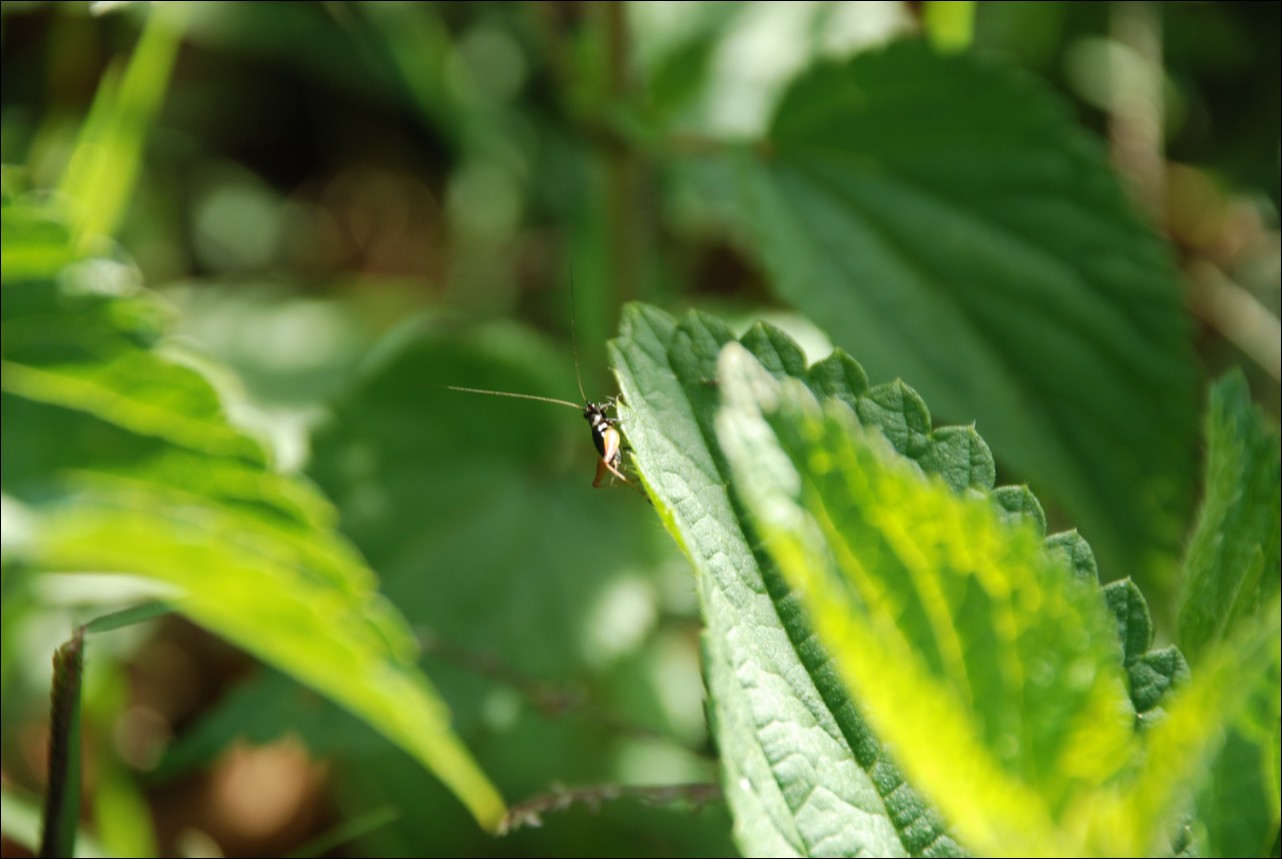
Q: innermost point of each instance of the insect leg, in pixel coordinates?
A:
(609, 461)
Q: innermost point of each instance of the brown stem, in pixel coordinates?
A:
(62, 794)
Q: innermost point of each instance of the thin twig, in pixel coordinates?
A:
(624, 168)
(1238, 315)
(550, 699)
(530, 812)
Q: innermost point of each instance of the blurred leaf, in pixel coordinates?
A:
(1230, 582)
(676, 56)
(1234, 689)
(128, 617)
(348, 830)
(122, 816)
(20, 823)
(474, 510)
(263, 709)
(555, 617)
(1240, 807)
(950, 26)
(108, 156)
(947, 220)
(133, 468)
(1231, 569)
(33, 239)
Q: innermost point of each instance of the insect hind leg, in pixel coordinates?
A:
(602, 467)
(610, 459)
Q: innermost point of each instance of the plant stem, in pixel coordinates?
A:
(62, 796)
(623, 163)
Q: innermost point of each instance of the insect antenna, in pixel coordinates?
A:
(514, 396)
(574, 340)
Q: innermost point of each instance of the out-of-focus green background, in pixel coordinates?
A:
(350, 205)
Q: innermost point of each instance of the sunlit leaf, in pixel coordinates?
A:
(132, 467)
(1025, 700)
(1005, 667)
(803, 773)
(108, 156)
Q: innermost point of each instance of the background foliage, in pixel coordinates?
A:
(337, 208)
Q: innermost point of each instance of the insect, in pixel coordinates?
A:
(609, 444)
(605, 435)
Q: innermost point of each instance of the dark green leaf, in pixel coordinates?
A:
(1231, 569)
(946, 221)
(1230, 585)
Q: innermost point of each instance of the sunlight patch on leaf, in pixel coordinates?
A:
(976, 619)
(1027, 701)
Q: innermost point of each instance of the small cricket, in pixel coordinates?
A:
(609, 445)
(605, 436)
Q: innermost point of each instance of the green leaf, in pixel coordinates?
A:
(1152, 673)
(128, 617)
(555, 618)
(987, 657)
(33, 240)
(949, 26)
(1233, 694)
(132, 467)
(503, 531)
(803, 773)
(1005, 667)
(947, 221)
(108, 156)
(1231, 569)
(1240, 807)
(1230, 584)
